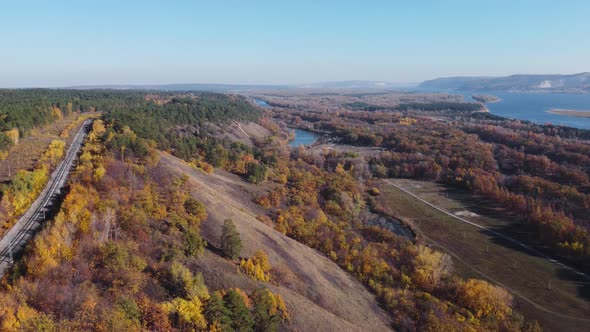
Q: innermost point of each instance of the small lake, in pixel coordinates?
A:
(261, 102)
(303, 137)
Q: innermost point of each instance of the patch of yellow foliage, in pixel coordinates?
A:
(190, 312)
(13, 134)
(257, 266)
(407, 121)
(484, 299)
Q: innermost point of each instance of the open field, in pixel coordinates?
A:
(320, 295)
(25, 154)
(580, 114)
(322, 148)
(556, 297)
(243, 132)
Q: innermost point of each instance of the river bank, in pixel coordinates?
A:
(576, 113)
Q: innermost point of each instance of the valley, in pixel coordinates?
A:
(554, 295)
(346, 233)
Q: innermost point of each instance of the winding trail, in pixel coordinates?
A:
(241, 129)
(17, 237)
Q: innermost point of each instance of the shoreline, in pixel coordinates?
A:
(575, 113)
(486, 98)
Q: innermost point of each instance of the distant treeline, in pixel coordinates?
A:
(28, 108)
(150, 116)
(24, 109)
(426, 107)
(546, 129)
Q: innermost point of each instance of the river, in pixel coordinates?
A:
(534, 106)
(528, 106)
(261, 102)
(303, 137)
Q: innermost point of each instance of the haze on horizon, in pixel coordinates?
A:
(66, 43)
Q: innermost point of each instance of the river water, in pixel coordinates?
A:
(303, 137)
(261, 102)
(533, 107)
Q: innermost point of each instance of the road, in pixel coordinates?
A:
(17, 237)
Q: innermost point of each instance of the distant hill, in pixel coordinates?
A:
(246, 87)
(356, 84)
(181, 87)
(574, 83)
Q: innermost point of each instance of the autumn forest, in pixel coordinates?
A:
(181, 207)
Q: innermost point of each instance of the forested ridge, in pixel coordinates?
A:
(24, 109)
(417, 106)
(117, 256)
(29, 108)
(180, 126)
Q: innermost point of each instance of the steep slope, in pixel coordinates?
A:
(243, 132)
(320, 295)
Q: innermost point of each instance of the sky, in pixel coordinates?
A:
(65, 43)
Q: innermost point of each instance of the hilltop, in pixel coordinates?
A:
(574, 83)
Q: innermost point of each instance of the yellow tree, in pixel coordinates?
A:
(14, 135)
(484, 299)
(430, 267)
(189, 312)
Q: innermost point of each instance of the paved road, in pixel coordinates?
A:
(490, 231)
(18, 236)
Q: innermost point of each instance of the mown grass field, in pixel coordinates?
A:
(565, 306)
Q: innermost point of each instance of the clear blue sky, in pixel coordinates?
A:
(58, 43)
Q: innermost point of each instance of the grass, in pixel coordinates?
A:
(481, 255)
(319, 294)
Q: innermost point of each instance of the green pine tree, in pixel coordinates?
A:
(264, 319)
(217, 312)
(231, 244)
(241, 321)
